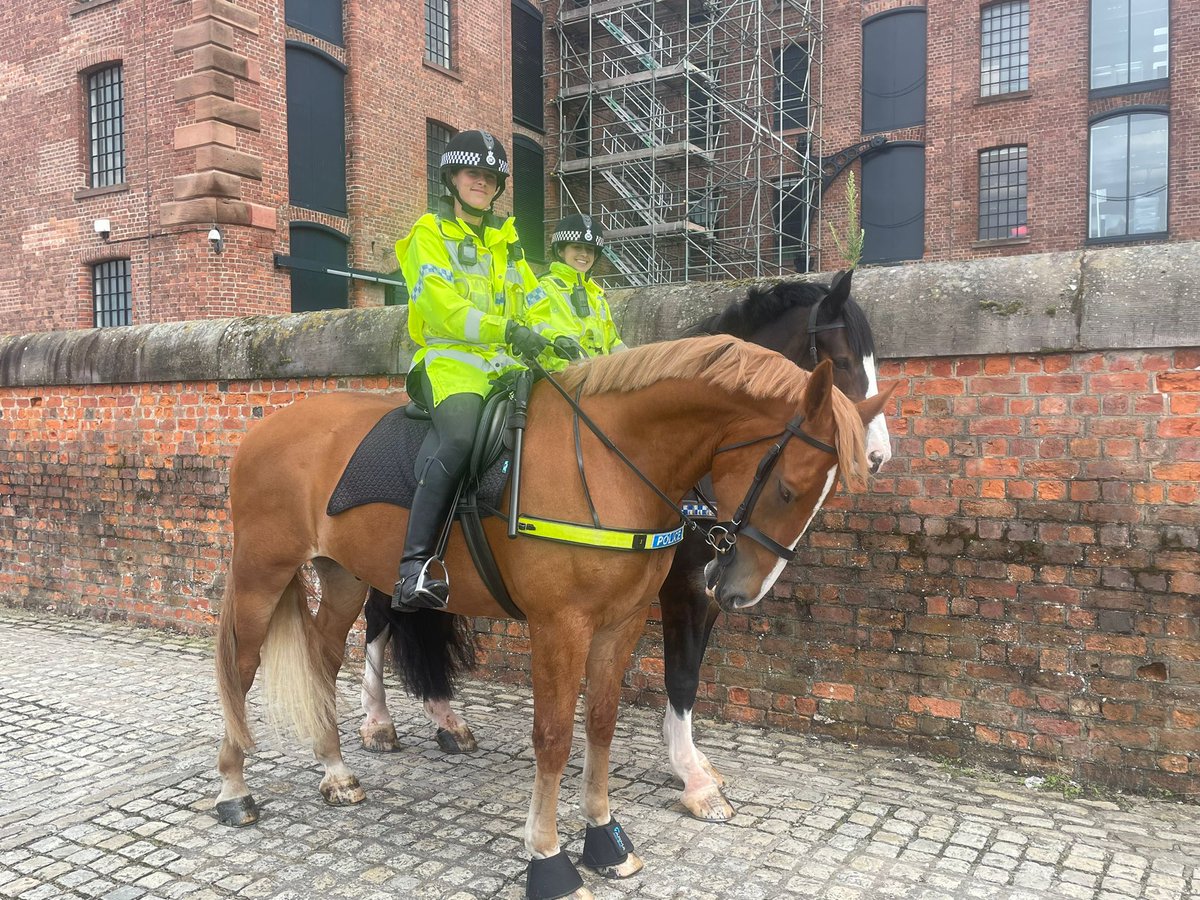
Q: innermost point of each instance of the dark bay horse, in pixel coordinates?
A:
(805, 322)
(678, 409)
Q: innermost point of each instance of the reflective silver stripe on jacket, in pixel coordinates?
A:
(471, 327)
(496, 363)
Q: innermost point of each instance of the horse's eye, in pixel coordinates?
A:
(785, 492)
(843, 363)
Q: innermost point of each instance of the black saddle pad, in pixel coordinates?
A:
(381, 469)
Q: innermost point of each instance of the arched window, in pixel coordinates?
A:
(315, 247)
(1127, 174)
(893, 203)
(112, 293)
(893, 70)
(316, 104)
(106, 126)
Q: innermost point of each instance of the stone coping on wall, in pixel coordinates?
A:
(331, 342)
(1139, 297)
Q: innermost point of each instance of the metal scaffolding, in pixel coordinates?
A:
(690, 127)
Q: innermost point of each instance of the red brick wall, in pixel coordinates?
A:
(1021, 585)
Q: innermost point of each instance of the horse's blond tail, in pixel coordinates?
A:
(229, 680)
(298, 690)
(299, 695)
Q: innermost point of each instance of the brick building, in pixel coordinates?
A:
(1016, 126)
(975, 127)
(300, 130)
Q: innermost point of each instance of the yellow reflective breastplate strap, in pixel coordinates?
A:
(605, 538)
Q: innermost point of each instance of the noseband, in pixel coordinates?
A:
(723, 538)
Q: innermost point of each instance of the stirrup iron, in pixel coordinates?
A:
(420, 596)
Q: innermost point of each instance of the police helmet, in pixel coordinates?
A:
(476, 150)
(578, 229)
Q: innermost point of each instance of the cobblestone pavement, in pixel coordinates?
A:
(108, 740)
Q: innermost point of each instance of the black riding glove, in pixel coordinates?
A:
(525, 342)
(568, 348)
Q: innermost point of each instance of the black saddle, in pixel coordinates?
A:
(377, 472)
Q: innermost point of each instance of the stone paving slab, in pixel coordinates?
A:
(108, 740)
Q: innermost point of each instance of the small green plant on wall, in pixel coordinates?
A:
(850, 246)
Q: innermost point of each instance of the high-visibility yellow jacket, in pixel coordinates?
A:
(463, 291)
(569, 303)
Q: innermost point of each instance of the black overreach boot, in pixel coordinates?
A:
(419, 587)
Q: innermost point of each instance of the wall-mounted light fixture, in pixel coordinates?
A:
(102, 227)
(216, 239)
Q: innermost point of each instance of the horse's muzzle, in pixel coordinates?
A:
(727, 600)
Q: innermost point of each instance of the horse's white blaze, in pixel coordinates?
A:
(879, 442)
(374, 696)
(774, 574)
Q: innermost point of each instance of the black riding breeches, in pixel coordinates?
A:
(449, 442)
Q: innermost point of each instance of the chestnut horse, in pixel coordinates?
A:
(805, 321)
(678, 409)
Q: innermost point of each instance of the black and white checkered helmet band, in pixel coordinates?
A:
(577, 237)
(471, 159)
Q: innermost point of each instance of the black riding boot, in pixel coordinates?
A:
(423, 581)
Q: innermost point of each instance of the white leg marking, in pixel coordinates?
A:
(374, 695)
(677, 732)
(441, 714)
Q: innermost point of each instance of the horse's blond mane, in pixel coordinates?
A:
(728, 363)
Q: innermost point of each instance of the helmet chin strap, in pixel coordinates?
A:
(473, 210)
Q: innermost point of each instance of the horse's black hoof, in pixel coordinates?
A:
(238, 812)
(551, 878)
(448, 742)
(608, 850)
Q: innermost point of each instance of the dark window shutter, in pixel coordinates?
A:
(529, 196)
(893, 203)
(792, 62)
(320, 245)
(893, 70)
(316, 130)
(320, 18)
(527, 66)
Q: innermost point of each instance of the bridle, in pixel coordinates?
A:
(814, 329)
(723, 537)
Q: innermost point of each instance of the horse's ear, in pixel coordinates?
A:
(818, 393)
(839, 289)
(871, 407)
